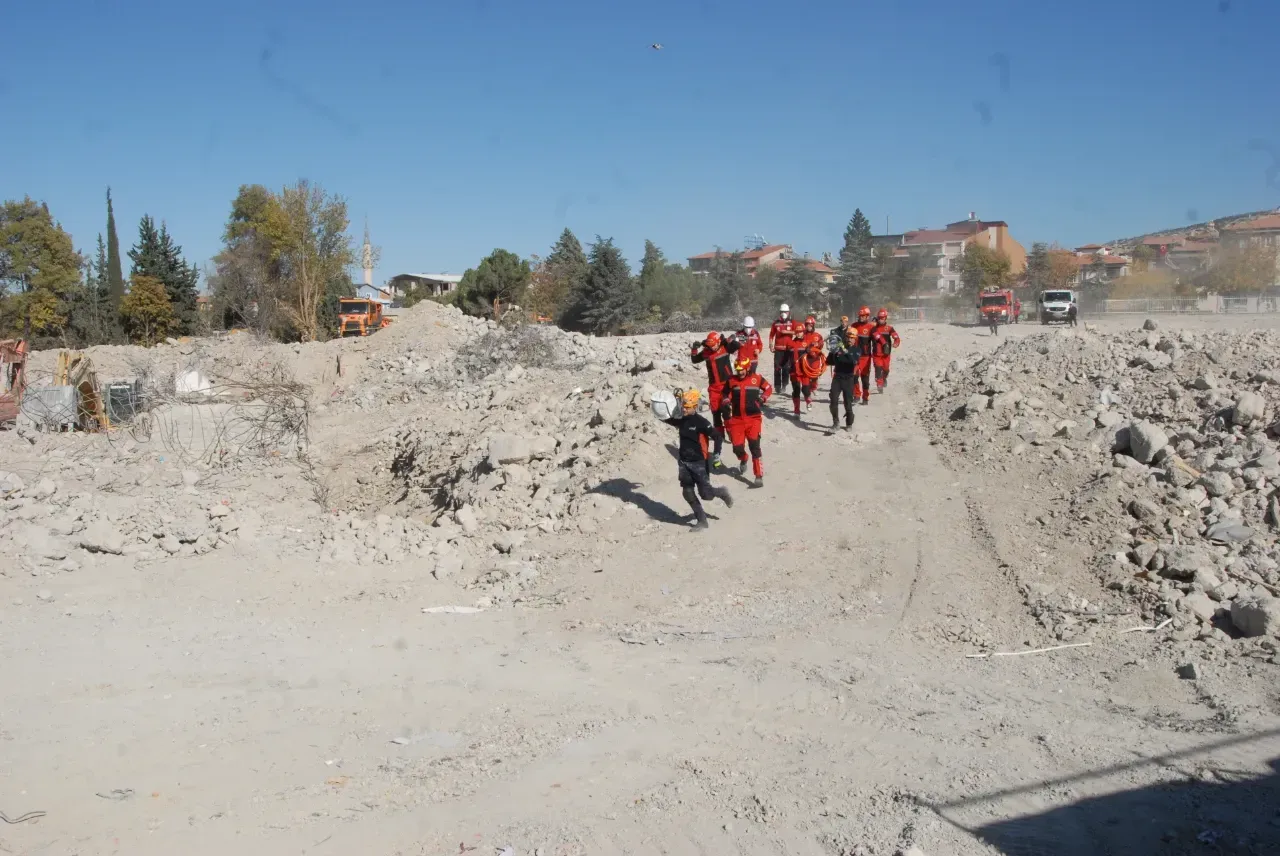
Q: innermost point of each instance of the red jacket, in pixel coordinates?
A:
(866, 331)
(746, 346)
(781, 333)
(884, 339)
(719, 364)
(745, 397)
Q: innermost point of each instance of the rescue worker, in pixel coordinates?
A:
(839, 332)
(863, 330)
(713, 352)
(801, 383)
(1017, 311)
(810, 364)
(843, 359)
(883, 340)
(781, 334)
(746, 343)
(743, 407)
(692, 460)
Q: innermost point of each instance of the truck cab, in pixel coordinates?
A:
(995, 305)
(1059, 304)
(358, 316)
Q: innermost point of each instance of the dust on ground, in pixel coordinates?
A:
(212, 646)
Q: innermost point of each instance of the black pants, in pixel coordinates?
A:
(842, 387)
(695, 481)
(781, 368)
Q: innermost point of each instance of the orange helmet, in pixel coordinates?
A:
(690, 398)
(864, 314)
(742, 366)
(882, 315)
(713, 340)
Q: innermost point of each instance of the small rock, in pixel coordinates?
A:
(1189, 671)
(1250, 407)
(466, 518)
(508, 541)
(976, 404)
(447, 565)
(1143, 508)
(1200, 605)
(102, 537)
(170, 544)
(1150, 324)
(1145, 440)
(44, 596)
(1228, 531)
(1143, 554)
(1218, 484)
(219, 510)
(508, 449)
(1205, 382)
(1181, 563)
(1256, 615)
(44, 489)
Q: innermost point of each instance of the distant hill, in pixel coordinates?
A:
(1207, 229)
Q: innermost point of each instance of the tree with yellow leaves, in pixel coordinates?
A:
(39, 270)
(146, 311)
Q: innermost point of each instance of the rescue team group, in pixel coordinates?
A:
(737, 393)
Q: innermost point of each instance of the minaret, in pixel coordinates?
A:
(366, 256)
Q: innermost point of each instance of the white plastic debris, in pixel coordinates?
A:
(663, 404)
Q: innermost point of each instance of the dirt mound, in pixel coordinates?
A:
(1165, 450)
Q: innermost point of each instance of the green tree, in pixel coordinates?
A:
(609, 297)
(855, 279)
(314, 252)
(147, 314)
(559, 279)
(984, 268)
(666, 287)
(115, 276)
(247, 274)
(39, 270)
(91, 318)
(730, 290)
(500, 281)
(1038, 267)
(1142, 257)
(156, 255)
(801, 287)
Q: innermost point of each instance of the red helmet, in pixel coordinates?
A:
(713, 340)
(810, 323)
(882, 315)
(864, 313)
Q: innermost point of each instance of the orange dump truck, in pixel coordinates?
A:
(358, 316)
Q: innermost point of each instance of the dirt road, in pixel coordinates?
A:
(793, 681)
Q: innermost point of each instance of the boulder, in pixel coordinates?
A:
(1217, 484)
(101, 537)
(1145, 440)
(1181, 563)
(1250, 407)
(466, 517)
(1256, 615)
(1199, 605)
(976, 404)
(508, 449)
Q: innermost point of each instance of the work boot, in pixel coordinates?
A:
(759, 482)
(742, 467)
(716, 464)
(700, 521)
(725, 496)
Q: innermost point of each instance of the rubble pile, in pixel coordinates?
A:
(1169, 442)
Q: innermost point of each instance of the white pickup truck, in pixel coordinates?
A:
(1057, 305)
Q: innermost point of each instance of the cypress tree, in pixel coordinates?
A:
(115, 276)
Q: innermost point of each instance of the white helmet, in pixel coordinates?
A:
(748, 323)
(784, 309)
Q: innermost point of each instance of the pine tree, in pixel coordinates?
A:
(856, 277)
(801, 287)
(115, 276)
(609, 297)
(1038, 267)
(157, 256)
(566, 273)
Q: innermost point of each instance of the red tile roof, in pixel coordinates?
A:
(1162, 240)
(746, 254)
(1266, 221)
(1090, 247)
(1085, 261)
(812, 264)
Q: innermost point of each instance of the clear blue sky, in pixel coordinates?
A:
(461, 126)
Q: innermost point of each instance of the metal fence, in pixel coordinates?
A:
(1147, 305)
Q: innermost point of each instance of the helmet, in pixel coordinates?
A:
(748, 323)
(851, 335)
(810, 322)
(742, 366)
(864, 312)
(689, 399)
(882, 315)
(784, 309)
(713, 340)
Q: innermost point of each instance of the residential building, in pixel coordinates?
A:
(373, 292)
(1087, 267)
(1259, 231)
(825, 271)
(942, 250)
(752, 258)
(435, 284)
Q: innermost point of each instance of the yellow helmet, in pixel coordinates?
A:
(690, 398)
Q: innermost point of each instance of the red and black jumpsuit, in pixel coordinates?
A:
(862, 372)
(883, 340)
(743, 408)
(803, 383)
(746, 346)
(719, 371)
(781, 337)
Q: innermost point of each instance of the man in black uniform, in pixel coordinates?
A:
(844, 356)
(696, 434)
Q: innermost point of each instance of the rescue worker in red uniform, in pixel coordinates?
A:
(1017, 311)
(692, 460)
(746, 344)
(801, 382)
(883, 340)
(781, 335)
(863, 330)
(719, 362)
(743, 408)
(810, 365)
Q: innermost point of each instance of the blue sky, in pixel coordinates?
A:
(457, 127)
